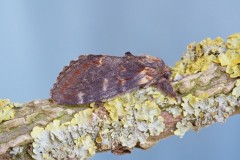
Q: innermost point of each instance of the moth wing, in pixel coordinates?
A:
(72, 82)
(96, 77)
(133, 74)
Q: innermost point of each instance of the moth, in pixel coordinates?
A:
(93, 78)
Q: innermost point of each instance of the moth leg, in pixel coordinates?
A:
(99, 104)
(120, 150)
(165, 86)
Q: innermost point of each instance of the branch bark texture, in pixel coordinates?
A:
(205, 80)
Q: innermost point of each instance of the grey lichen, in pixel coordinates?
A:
(67, 140)
(16, 150)
(126, 121)
(201, 112)
(123, 121)
(211, 98)
(208, 88)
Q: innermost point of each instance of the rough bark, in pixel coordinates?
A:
(207, 85)
(16, 132)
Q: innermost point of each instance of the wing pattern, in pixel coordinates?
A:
(96, 77)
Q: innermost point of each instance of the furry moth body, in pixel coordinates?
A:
(92, 78)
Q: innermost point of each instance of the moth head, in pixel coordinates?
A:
(158, 64)
(164, 70)
(167, 74)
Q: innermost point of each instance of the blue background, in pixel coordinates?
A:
(38, 38)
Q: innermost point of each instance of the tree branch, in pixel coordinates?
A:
(208, 89)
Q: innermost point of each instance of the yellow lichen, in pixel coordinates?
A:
(55, 125)
(36, 131)
(131, 118)
(236, 90)
(201, 64)
(126, 120)
(233, 71)
(87, 144)
(137, 107)
(208, 62)
(99, 139)
(115, 108)
(179, 68)
(199, 56)
(230, 58)
(6, 110)
(189, 107)
(182, 128)
(204, 110)
(238, 83)
(82, 117)
(147, 111)
(233, 42)
(56, 139)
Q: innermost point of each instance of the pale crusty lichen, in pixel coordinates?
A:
(175, 111)
(128, 120)
(183, 127)
(199, 56)
(16, 150)
(66, 140)
(236, 90)
(86, 145)
(203, 110)
(6, 110)
(122, 121)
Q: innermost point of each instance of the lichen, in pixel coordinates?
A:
(86, 145)
(117, 111)
(175, 111)
(132, 118)
(203, 110)
(236, 90)
(128, 120)
(233, 42)
(125, 120)
(16, 150)
(183, 127)
(199, 56)
(135, 117)
(65, 141)
(6, 110)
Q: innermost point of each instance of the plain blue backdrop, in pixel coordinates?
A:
(39, 37)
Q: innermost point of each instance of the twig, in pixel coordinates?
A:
(207, 94)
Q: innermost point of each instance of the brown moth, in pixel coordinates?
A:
(92, 78)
